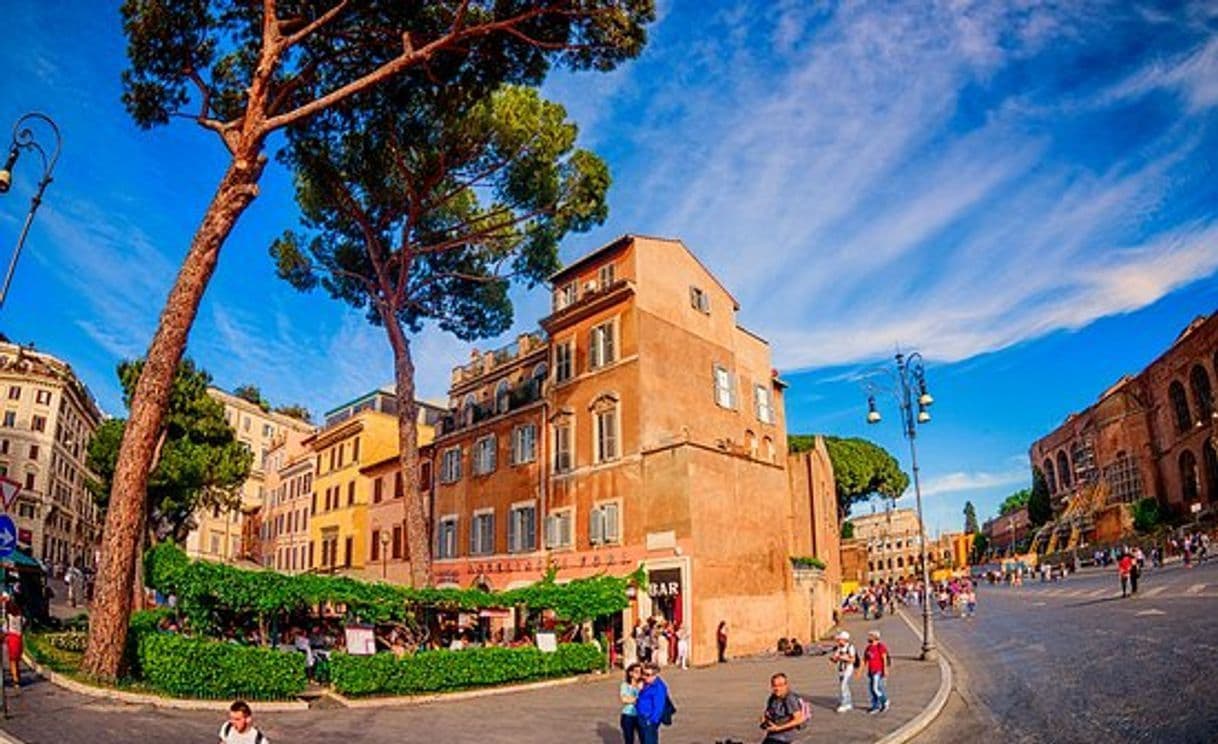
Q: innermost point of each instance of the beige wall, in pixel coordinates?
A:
(54, 505)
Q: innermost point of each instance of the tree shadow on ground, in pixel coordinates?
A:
(608, 734)
(1101, 600)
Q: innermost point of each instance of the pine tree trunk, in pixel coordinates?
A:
(125, 517)
(418, 530)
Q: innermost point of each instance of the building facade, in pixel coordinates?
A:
(46, 423)
(284, 520)
(1150, 435)
(892, 542)
(356, 484)
(1007, 531)
(233, 534)
(642, 425)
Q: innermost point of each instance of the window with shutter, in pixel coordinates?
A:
(596, 526)
(612, 532)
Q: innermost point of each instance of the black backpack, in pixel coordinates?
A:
(258, 737)
(668, 712)
(858, 661)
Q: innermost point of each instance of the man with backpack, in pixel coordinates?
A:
(239, 728)
(654, 707)
(785, 712)
(846, 658)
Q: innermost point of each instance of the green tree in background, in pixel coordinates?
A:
(981, 546)
(251, 394)
(970, 518)
(1015, 502)
(1146, 515)
(424, 209)
(1040, 507)
(199, 464)
(847, 530)
(861, 469)
(295, 411)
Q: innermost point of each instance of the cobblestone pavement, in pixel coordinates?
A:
(1073, 662)
(713, 703)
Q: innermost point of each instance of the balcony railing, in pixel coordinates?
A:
(518, 397)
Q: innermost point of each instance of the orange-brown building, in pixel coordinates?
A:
(644, 426)
(1153, 434)
(289, 500)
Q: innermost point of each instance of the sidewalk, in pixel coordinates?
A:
(713, 703)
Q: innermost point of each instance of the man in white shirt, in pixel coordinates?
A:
(239, 728)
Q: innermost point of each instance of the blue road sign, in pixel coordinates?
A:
(8, 536)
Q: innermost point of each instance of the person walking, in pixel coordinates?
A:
(785, 712)
(239, 728)
(1124, 568)
(877, 660)
(628, 693)
(14, 627)
(683, 646)
(845, 658)
(652, 704)
(721, 641)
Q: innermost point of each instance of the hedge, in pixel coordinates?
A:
(210, 593)
(196, 668)
(440, 670)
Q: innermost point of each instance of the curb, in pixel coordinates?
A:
(134, 698)
(937, 703)
(7, 738)
(444, 697)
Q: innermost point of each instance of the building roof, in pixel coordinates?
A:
(624, 240)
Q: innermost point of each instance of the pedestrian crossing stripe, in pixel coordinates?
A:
(1098, 593)
(1156, 591)
(1195, 589)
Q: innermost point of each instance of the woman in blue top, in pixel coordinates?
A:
(629, 693)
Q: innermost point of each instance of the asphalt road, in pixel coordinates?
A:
(713, 704)
(1073, 662)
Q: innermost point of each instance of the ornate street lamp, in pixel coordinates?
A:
(23, 139)
(910, 390)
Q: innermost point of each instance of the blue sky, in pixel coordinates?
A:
(1022, 191)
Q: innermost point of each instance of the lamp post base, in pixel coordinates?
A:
(929, 654)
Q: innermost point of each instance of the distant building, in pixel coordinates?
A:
(233, 534)
(289, 501)
(1153, 434)
(892, 541)
(1007, 531)
(47, 418)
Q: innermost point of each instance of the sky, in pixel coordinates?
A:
(1024, 192)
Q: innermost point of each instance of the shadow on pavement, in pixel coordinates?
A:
(1091, 602)
(608, 734)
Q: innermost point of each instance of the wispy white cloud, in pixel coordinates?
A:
(860, 177)
(961, 481)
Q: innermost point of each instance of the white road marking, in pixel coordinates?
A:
(1195, 589)
(1151, 611)
(1156, 591)
(1098, 593)
(1038, 604)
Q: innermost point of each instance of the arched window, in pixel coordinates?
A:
(1210, 457)
(540, 372)
(1063, 468)
(1188, 477)
(467, 409)
(1050, 475)
(871, 565)
(770, 454)
(1203, 394)
(502, 397)
(1179, 404)
(750, 441)
(900, 562)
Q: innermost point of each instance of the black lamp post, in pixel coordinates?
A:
(23, 139)
(909, 389)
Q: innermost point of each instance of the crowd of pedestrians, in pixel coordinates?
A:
(660, 642)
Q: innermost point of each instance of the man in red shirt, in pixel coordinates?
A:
(1125, 569)
(877, 660)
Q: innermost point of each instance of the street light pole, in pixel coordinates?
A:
(384, 554)
(910, 390)
(23, 139)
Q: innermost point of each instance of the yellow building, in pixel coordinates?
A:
(218, 534)
(356, 434)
